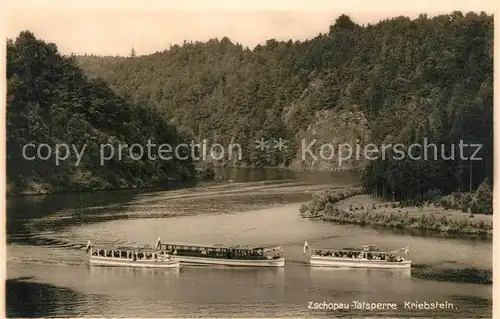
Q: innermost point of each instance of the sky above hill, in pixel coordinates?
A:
(115, 27)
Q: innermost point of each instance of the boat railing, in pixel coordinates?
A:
(386, 256)
(134, 253)
(220, 251)
(369, 252)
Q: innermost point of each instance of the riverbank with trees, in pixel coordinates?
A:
(441, 215)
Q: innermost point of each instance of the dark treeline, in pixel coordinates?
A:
(50, 100)
(413, 79)
(424, 78)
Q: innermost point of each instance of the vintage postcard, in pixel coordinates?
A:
(247, 159)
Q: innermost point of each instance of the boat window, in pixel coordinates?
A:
(149, 256)
(101, 252)
(94, 252)
(130, 254)
(109, 253)
(123, 254)
(116, 254)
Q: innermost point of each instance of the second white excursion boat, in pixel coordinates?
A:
(130, 257)
(366, 257)
(241, 256)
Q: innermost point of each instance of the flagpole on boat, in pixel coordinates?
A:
(306, 247)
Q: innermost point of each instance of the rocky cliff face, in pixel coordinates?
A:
(333, 141)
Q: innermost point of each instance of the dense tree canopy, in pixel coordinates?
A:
(51, 101)
(428, 77)
(413, 79)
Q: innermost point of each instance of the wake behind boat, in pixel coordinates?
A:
(241, 256)
(130, 257)
(367, 257)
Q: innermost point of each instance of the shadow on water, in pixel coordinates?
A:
(429, 233)
(83, 208)
(462, 275)
(34, 300)
(23, 208)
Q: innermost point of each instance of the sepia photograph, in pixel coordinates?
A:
(248, 159)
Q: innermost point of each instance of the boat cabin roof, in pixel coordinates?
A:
(217, 246)
(129, 248)
(371, 249)
(355, 250)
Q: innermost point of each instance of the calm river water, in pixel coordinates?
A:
(48, 274)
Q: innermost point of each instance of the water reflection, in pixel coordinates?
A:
(361, 273)
(361, 281)
(216, 291)
(27, 215)
(252, 275)
(135, 273)
(31, 299)
(277, 174)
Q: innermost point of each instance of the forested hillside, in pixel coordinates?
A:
(51, 101)
(397, 81)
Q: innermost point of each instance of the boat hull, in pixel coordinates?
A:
(120, 262)
(230, 262)
(357, 263)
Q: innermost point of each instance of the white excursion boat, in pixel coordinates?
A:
(130, 257)
(241, 256)
(367, 257)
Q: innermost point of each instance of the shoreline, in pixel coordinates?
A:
(161, 186)
(226, 198)
(167, 184)
(350, 206)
